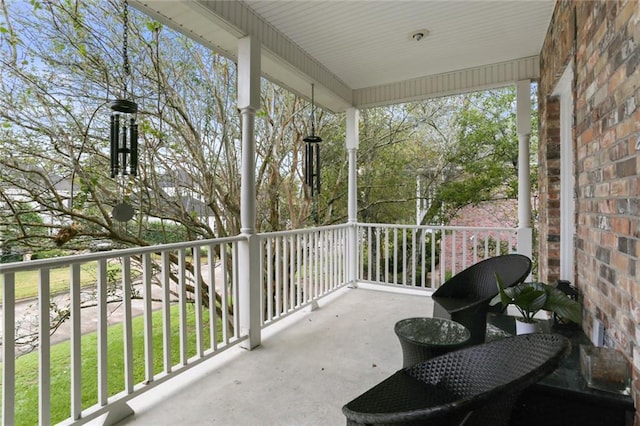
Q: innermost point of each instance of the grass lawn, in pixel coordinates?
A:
(27, 366)
(27, 281)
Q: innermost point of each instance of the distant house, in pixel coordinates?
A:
(490, 214)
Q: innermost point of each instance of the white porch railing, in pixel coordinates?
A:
(425, 256)
(173, 283)
(299, 267)
(182, 321)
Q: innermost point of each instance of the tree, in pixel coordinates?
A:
(61, 68)
(482, 164)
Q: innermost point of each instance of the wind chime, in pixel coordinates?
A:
(312, 154)
(124, 131)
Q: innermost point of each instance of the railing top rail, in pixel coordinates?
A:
(303, 230)
(89, 257)
(438, 227)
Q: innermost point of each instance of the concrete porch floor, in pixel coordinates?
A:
(308, 366)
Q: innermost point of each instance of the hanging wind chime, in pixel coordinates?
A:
(124, 130)
(312, 154)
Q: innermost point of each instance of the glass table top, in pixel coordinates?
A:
(432, 331)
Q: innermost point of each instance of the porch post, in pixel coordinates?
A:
(248, 249)
(352, 142)
(523, 117)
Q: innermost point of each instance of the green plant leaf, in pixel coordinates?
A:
(562, 305)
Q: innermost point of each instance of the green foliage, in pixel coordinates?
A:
(163, 233)
(482, 163)
(48, 254)
(531, 297)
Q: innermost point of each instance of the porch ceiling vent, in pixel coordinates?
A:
(418, 35)
(312, 153)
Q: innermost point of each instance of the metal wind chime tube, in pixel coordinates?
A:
(124, 129)
(124, 138)
(312, 154)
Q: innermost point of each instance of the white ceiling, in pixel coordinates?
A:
(351, 36)
(364, 44)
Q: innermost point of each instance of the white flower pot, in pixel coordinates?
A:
(527, 327)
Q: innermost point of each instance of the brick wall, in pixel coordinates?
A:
(602, 38)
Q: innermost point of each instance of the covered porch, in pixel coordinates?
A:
(587, 224)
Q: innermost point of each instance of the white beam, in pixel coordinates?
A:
(352, 143)
(451, 83)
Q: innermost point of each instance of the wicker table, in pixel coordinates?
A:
(424, 338)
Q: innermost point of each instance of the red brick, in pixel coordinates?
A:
(620, 188)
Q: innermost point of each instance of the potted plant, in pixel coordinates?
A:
(531, 297)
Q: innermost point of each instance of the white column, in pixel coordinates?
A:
(523, 120)
(352, 142)
(248, 250)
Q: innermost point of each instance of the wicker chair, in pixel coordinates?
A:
(465, 297)
(473, 386)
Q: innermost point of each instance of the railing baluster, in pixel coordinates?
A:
(147, 274)
(433, 258)
(378, 237)
(298, 274)
(76, 348)
(213, 313)
(423, 258)
(464, 249)
(305, 267)
(315, 264)
(166, 312)
(269, 279)
(197, 273)
(44, 360)
(387, 254)
(475, 246)
(369, 253)
(235, 290)
(128, 324)
(102, 328)
(486, 245)
(285, 275)
(292, 274)
(404, 256)
(320, 258)
(225, 295)
(8, 349)
(278, 281)
(328, 255)
(454, 252)
(182, 305)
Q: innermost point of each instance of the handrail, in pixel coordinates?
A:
(90, 257)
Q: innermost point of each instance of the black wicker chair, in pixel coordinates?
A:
(473, 386)
(465, 297)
